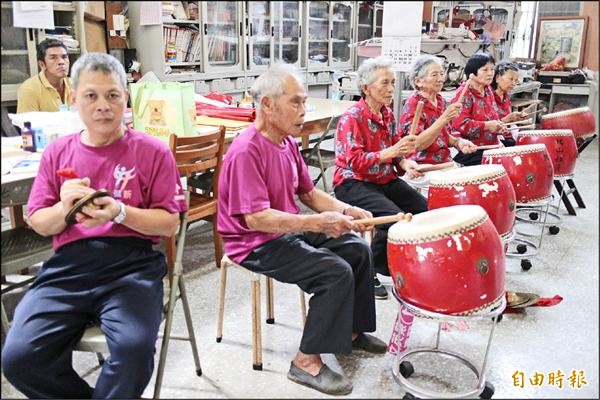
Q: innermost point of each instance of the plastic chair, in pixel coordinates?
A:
(93, 339)
(255, 289)
(321, 158)
(199, 160)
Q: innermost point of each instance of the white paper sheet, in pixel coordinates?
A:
(150, 13)
(33, 14)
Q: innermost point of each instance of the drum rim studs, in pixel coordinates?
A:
(530, 177)
(399, 279)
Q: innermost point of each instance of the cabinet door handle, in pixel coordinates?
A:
(272, 31)
(241, 28)
(205, 29)
(331, 34)
(299, 31)
(250, 28)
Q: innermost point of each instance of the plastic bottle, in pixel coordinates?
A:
(28, 137)
(40, 139)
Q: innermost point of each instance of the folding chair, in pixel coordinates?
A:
(93, 339)
(321, 158)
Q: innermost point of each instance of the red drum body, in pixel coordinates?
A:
(580, 120)
(485, 185)
(448, 261)
(529, 169)
(560, 144)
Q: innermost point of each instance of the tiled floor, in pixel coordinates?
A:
(542, 341)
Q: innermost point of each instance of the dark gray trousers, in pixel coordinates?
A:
(339, 274)
(389, 199)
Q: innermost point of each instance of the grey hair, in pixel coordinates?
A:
(272, 82)
(419, 67)
(98, 62)
(366, 71)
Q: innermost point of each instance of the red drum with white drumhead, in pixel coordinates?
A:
(580, 120)
(529, 169)
(486, 185)
(449, 261)
(561, 146)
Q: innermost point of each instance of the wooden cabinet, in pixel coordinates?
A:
(19, 53)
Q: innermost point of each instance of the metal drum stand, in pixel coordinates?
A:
(526, 247)
(402, 369)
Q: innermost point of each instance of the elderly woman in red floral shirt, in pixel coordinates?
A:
(370, 158)
(433, 130)
(478, 120)
(506, 78)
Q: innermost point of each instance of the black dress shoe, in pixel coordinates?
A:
(369, 344)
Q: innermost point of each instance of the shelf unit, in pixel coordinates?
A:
(19, 53)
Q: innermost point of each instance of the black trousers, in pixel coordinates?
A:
(389, 199)
(339, 274)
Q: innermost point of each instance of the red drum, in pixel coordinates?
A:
(529, 169)
(485, 185)
(561, 146)
(449, 261)
(580, 120)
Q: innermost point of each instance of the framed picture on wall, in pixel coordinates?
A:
(561, 36)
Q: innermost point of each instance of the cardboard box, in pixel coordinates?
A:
(94, 10)
(95, 36)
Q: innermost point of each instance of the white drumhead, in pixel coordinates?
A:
(437, 224)
(568, 112)
(514, 150)
(468, 175)
(547, 132)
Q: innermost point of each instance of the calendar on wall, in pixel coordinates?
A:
(403, 50)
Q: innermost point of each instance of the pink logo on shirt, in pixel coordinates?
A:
(122, 176)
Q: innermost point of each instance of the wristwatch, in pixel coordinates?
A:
(121, 215)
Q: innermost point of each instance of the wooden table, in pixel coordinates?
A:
(318, 114)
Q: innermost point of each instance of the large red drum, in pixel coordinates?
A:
(580, 120)
(529, 169)
(485, 185)
(561, 146)
(449, 261)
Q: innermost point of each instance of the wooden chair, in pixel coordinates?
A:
(199, 160)
(255, 292)
(22, 247)
(321, 158)
(93, 339)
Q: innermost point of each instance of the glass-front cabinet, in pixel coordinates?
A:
(317, 39)
(364, 25)
(288, 32)
(342, 13)
(260, 34)
(223, 47)
(378, 9)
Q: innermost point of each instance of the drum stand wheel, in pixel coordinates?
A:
(530, 213)
(403, 369)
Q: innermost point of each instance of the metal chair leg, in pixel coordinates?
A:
(269, 300)
(256, 333)
(221, 308)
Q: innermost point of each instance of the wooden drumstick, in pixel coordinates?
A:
(529, 107)
(543, 110)
(527, 127)
(417, 116)
(489, 146)
(523, 121)
(464, 91)
(434, 167)
(385, 219)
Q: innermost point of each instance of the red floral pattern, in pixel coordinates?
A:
(477, 108)
(504, 105)
(361, 135)
(438, 151)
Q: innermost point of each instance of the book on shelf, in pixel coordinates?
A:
(181, 44)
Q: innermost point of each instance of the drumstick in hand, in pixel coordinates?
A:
(543, 110)
(521, 122)
(489, 146)
(417, 116)
(385, 219)
(464, 91)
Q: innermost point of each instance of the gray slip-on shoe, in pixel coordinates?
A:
(369, 343)
(326, 381)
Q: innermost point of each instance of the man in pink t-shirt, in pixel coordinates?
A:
(104, 268)
(263, 230)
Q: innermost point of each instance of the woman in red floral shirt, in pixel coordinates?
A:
(370, 158)
(478, 120)
(433, 132)
(506, 79)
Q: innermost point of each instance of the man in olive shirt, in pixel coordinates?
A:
(51, 87)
